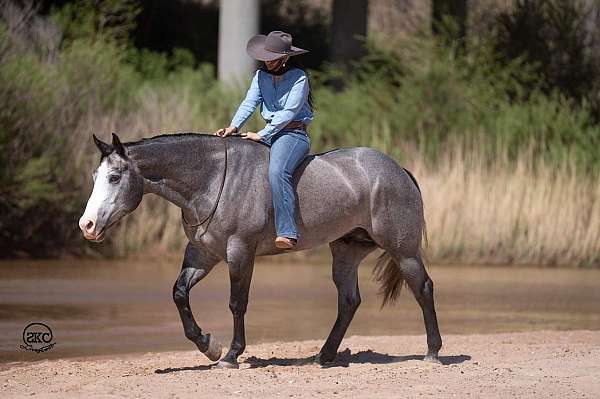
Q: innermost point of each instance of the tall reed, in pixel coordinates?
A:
(509, 212)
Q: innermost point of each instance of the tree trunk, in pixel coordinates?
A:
(348, 30)
(238, 22)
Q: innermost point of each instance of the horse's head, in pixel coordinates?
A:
(118, 190)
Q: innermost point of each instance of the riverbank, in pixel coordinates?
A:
(530, 364)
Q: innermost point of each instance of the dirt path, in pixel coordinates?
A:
(534, 364)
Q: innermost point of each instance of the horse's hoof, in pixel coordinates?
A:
(324, 359)
(226, 365)
(214, 350)
(432, 359)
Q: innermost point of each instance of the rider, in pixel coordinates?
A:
(282, 90)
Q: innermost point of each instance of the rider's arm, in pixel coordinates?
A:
(247, 107)
(293, 104)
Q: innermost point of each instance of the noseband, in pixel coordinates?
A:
(208, 218)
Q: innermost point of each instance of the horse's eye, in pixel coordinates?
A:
(114, 179)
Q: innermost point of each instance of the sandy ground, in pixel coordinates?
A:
(533, 364)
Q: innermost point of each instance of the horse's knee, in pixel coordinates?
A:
(349, 297)
(352, 302)
(180, 297)
(238, 308)
(238, 300)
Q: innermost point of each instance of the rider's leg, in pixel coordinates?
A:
(287, 151)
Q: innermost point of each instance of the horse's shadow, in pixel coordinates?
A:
(203, 367)
(343, 359)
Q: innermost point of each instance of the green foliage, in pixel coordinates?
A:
(157, 66)
(43, 100)
(429, 94)
(560, 40)
(35, 183)
(98, 20)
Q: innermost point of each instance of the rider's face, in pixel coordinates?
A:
(275, 64)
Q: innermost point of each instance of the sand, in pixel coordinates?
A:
(561, 364)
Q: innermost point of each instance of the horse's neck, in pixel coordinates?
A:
(184, 172)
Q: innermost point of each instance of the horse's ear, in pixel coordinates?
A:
(118, 146)
(104, 148)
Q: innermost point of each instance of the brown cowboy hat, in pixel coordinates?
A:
(276, 44)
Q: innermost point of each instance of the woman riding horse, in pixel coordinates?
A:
(355, 199)
(282, 90)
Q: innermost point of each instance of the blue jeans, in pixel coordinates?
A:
(288, 149)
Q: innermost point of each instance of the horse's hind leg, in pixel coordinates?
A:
(196, 265)
(347, 255)
(414, 273)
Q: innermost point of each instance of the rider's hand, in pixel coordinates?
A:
(226, 131)
(252, 136)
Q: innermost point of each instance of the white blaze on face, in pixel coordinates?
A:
(101, 197)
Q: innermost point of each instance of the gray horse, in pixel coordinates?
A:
(355, 199)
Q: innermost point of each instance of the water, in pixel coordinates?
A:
(106, 307)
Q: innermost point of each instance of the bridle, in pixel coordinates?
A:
(208, 218)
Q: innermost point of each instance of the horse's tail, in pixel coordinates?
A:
(387, 272)
(389, 275)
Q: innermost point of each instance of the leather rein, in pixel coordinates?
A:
(208, 218)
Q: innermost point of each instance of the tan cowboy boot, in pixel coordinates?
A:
(285, 243)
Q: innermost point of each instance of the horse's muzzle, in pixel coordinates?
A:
(88, 228)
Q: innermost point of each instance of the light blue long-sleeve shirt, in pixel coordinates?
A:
(280, 102)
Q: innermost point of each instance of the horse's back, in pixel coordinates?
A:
(350, 173)
(361, 167)
(339, 190)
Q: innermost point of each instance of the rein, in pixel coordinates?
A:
(208, 219)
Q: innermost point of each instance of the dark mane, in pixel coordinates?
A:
(167, 138)
(174, 137)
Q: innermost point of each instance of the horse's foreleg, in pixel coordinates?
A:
(347, 255)
(196, 265)
(241, 264)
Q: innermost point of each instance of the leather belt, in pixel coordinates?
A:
(296, 125)
(293, 125)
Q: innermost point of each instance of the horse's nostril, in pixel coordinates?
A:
(89, 225)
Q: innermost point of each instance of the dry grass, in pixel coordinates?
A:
(510, 213)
